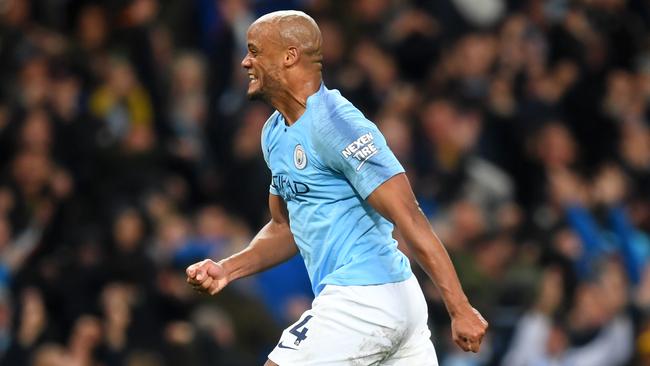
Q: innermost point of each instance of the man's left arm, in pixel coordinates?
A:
(394, 199)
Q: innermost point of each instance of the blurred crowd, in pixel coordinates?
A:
(128, 150)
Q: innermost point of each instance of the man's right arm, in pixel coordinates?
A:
(272, 245)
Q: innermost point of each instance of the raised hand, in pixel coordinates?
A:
(468, 329)
(207, 276)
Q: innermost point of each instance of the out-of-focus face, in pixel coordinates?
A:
(398, 133)
(189, 74)
(92, 27)
(128, 230)
(262, 62)
(212, 222)
(121, 78)
(334, 45)
(37, 131)
(31, 170)
(556, 146)
(87, 332)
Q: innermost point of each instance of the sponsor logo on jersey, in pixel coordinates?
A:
(289, 189)
(361, 149)
(299, 157)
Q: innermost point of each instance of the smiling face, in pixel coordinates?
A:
(283, 62)
(263, 61)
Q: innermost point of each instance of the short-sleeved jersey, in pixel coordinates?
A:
(324, 166)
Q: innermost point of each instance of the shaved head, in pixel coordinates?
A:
(292, 28)
(284, 60)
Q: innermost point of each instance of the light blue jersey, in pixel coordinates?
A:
(324, 166)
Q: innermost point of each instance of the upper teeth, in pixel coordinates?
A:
(252, 77)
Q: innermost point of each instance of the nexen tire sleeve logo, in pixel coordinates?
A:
(361, 149)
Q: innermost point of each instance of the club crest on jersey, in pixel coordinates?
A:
(361, 149)
(299, 157)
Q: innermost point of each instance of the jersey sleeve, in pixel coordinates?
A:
(354, 146)
(265, 153)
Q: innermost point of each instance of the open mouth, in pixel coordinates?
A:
(252, 78)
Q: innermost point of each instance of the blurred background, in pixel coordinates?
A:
(128, 151)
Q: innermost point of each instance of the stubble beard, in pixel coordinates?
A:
(264, 93)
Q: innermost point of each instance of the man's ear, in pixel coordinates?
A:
(292, 56)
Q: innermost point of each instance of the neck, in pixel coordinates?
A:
(292, 101)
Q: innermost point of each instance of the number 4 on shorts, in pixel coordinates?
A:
(301, 335)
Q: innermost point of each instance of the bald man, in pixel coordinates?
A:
(337, 190)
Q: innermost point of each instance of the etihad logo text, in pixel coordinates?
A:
(288, 189)
(361, 149)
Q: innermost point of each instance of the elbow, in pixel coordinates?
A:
(423, 252)
(417, 233)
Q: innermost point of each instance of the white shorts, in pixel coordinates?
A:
(361, 325)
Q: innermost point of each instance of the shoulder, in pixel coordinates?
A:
(340, 131)
(337, 116)
(340, 109)
(270, 123)
(270, 128)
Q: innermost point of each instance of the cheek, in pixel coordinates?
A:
(267, 68)
(272, 74)
(263, 70)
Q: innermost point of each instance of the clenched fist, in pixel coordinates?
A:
(207, 276)
(468, 329)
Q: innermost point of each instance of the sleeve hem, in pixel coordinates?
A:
(378, 183)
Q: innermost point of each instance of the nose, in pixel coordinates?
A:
(246, 62)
